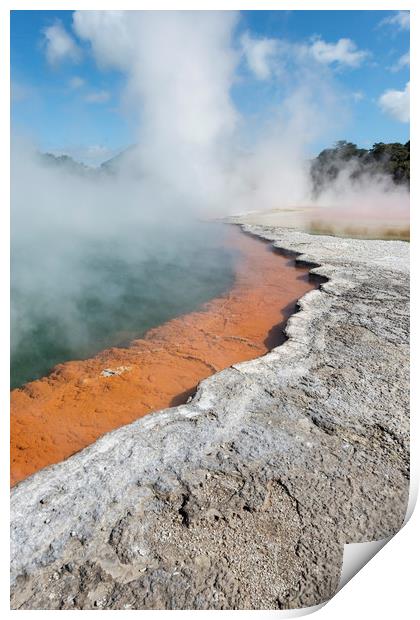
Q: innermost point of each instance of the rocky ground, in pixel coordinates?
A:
(79, 401)
(244, 497)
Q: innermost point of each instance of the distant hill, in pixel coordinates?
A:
(65, 162)
(124, 158)
(392, 160)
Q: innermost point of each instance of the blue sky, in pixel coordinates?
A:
(65, 103)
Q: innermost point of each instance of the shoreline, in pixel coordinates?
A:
(250, 490)
(60, 414)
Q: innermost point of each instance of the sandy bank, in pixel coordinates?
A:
(244, 497)
(56, 416)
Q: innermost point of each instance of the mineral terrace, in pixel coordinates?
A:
(244, 497)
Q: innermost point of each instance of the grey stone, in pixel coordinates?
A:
(245, 496)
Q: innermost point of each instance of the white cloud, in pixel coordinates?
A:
(259, 55)
(264, 56)
(401, 20)
(76, 82)
(403, 61)
(59, 45)
(396, 103)
(110, 33)
(358, 95)
(99, 96)
(343, 52)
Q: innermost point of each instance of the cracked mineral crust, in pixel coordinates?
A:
(244, 497)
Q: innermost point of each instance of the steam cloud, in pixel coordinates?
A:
(195, 156)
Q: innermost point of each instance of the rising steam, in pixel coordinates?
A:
(195, 157)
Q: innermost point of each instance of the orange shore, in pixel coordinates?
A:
(78, 402)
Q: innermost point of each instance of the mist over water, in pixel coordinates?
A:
(99, 258)
(111, 295)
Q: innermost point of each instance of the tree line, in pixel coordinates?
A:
(392, 160)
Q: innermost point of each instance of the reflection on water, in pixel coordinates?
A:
(358, 223)
(355, 222)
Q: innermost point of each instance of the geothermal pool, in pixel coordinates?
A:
(253, 290)
(108, 295)
(387, 223)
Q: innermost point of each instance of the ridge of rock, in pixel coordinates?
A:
(244, 497)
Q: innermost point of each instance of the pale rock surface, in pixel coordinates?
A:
(244, 497)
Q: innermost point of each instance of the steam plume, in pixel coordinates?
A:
(195, 156)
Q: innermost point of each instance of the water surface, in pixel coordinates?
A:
(112, 294)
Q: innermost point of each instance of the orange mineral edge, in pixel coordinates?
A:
(56, 416)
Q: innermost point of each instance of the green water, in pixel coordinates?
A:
(110, 295)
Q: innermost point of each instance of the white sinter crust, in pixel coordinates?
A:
(244, 497)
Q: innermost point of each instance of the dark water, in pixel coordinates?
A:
(110, 294)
